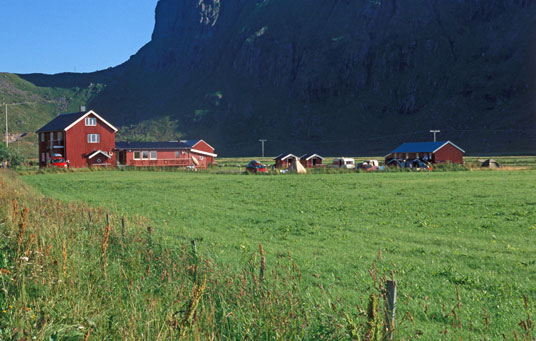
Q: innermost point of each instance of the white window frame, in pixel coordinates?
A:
(91, 121)
(143, 157)
(177, 155)
(59, 136)
(201, 157)
(43, 159)
(93, 138)
(51, 137)
(42, 137)
(151, 155)
(134, 155)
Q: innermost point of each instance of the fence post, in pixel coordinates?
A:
(391, 308)
(123, 228)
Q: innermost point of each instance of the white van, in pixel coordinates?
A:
(344, 162)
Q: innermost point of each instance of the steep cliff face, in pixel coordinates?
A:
(339, 76)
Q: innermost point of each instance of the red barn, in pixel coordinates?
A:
(435, 152)
(284, 160)
(185, 153)
(311, 160)
(84, 139)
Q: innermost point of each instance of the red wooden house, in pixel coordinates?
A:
(434, 152)
(185, 153)
(284, 160)
(311, 160)
(84, 139)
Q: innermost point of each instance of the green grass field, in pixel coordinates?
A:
(435, 231)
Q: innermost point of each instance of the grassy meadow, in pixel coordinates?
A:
(460, 244)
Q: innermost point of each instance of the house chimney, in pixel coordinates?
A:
(82, 108)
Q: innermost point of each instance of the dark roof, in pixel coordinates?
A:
(61, 121)
(423, 147)
(187, 144)
(284, 156)
(308, 156)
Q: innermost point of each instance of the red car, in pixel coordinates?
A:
(256, 167)
(58, 162)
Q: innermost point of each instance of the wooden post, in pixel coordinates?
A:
(391, 308)
(123, 228)
(89, 215)
(107, 219)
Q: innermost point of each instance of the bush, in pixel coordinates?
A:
(12, 156)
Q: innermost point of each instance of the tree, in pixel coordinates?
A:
(12, 156)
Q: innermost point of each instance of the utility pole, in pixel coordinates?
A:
(435, 132)
(7, 136)
(262, 141)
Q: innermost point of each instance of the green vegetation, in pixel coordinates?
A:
(30, 106)
(460, 244)
(11, 155)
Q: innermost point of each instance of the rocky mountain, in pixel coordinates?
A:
(334, 77)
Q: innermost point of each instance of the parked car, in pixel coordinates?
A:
(256, 167)
(58, 162)
(344, 162)
(415, 164)
(369, 166)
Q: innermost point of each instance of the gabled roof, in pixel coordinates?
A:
(284, 156)
(67, 121)
(97, 153)
(61, 122)
(310, 156)
(423, 147)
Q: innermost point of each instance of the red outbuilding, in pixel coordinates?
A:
(184, 153)
(84, 139)
(311, 160)
(434, 152)
(284, 160)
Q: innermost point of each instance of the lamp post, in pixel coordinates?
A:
(262, 142)
(435, 132)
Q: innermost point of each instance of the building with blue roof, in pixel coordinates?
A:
(433, 152)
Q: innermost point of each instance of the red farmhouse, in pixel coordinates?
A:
(84, 139)
(435, 152)
(311, 160)
(193, 153)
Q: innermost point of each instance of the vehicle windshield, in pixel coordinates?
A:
(58, 160)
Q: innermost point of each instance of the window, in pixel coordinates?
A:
(177, 154)
(145, 155)
(136, 155)
(91, 121)
(42, 155)
(50, 137)
(153, 155)
(93, 138)
(201, 158)
(60, 136)
(42, 137)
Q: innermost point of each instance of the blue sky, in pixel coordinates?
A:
(52, 36)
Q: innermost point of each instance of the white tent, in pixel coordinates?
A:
(297, 167)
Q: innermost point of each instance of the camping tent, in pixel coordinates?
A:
(490, 163)
(297, 167)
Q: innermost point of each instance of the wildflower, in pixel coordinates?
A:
(24, 258)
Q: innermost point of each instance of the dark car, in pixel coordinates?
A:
(256, 167)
